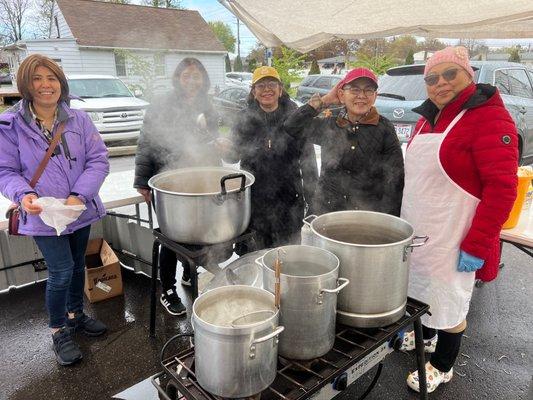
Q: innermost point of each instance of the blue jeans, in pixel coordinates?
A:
(65, 259)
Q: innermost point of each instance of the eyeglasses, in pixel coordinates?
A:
(358, 91)
(448, 75)
(266, 85)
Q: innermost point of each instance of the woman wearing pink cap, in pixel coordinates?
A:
(362, 162)
(460, 185)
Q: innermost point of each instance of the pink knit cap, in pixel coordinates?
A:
(454, 54)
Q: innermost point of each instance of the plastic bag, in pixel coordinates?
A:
(56, 214)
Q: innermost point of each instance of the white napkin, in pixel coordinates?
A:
(56, 214)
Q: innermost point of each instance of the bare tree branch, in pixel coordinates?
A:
(12, 18)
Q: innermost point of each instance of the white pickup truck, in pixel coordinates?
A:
(116, 112)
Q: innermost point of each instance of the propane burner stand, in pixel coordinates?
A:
(354, 353)
(194, 255)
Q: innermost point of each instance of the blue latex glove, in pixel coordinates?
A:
(469, 263)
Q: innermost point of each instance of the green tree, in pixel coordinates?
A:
(401, 46)
(223, 33)
(237, 64)
(287, 65)
(410, 59)
(379, 64)
(252, 64)
(315, 69)
(514, 54)
(228, 63)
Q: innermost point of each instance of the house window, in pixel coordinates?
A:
(159, 65)
(120, 64)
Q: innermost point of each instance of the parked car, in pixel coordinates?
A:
(316, 83)
(5, 78)
(239, 77)
(402, 89)
(230, 101)
(116, 112)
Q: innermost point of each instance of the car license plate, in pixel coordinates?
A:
(403, 130)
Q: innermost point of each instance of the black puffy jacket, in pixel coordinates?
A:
(361, 164)
(285, 172)
(170, 137)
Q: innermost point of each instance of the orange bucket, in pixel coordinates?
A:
(525, 175)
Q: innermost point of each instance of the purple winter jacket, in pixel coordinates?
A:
(81, 166)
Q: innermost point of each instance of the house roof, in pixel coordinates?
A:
(102, 24)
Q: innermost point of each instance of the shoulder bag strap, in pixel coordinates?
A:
(44, 161)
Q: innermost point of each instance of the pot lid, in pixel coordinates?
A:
(242, 271)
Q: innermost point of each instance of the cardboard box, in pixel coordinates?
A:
(103, 277)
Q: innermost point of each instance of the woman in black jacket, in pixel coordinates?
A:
(284, 167)
(361, 157)
(176, 135)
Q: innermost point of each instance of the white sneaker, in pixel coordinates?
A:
(409, 343)
(434, 378)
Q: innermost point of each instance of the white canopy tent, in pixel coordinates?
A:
(308, 24)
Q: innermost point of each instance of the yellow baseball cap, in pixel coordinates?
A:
(264, 72)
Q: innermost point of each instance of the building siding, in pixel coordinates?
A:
(64, 30)
(98, 62)
(65, 51)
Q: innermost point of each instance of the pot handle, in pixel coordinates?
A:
(413, 245)
(423, 242)
(223, 180)
(344, 282)
(305, 221)
(271, 335)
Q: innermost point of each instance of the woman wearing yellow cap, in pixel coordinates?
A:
(284, 167)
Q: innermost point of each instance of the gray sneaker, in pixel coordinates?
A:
(66, 350)
(90, 326)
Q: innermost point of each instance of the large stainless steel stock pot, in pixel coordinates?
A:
(374, 251)
(202, 205)
(309, 288)
(236, 340)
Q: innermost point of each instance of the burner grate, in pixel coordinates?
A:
(298, 380)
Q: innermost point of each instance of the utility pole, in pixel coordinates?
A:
(238, 39)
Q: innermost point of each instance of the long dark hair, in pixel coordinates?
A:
(182, 66)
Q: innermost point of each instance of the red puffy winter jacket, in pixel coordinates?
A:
(480, 154)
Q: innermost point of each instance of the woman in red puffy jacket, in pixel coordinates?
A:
(460, 185)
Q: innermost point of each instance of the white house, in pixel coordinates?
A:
(93, 37)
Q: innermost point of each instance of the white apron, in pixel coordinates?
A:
(437, 207)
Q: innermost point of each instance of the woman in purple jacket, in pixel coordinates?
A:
(75, 172)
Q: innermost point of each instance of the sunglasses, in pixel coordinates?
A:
(266, 85)
(448, 75)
